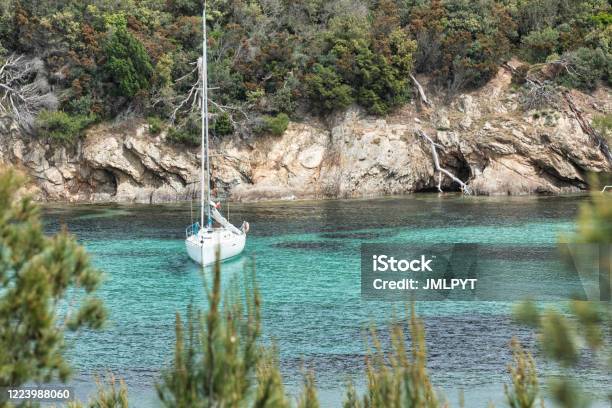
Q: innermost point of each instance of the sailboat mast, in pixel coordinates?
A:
(205, 165)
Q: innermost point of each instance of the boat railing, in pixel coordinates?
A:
(193, 229)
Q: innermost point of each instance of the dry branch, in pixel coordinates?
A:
(421, 91)
(586, 127)
(436, 159)
(191, 100)
(24, 90)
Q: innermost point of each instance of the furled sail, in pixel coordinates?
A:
(220, 219)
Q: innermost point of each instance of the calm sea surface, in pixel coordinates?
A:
(307, 258)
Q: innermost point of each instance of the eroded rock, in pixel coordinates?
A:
(485, 139)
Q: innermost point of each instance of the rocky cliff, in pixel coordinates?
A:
(486, 140)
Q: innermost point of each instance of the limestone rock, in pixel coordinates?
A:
(485, 139)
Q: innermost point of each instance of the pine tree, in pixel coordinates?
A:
(46, 288)
(221, 362)
(399, 378)
(562, 336)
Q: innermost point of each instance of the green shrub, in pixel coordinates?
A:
(397, 377)
(603, 124)
(325, 89)
(187, 132)
(222, 125)
(540, 44)
(586, 67)
(128, 63)
(182, 136)
(524, 391)
(81, 106)
(219, 358)
(47, 289)
(62, 127)
(276, 124)
(603, 18)
(155, 125)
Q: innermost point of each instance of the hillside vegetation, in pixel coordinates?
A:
(270, 60)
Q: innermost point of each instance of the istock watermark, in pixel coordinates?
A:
(481, 272)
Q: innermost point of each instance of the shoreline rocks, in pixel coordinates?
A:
(486, 140)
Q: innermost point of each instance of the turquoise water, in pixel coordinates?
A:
(307, 258)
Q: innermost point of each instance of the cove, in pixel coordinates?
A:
(307, 260)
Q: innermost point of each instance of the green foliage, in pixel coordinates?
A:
(37, 274)
(108, 395)
(603, 124)
(182, 136)
(222, 125)
(603, 18)
(188, 133)
(462, 43)
(155, 125)
(80, 106)
(219, 359)
(561, 338)
(308, 398)
(127, 62)
(595, 220)
(325, 89)
(398, 378)
(538, 45)
(563, 335)
(62, 127)
(287, 57)
(369, 63)
(276, 124)
(525, 388)
(270, 390)
(586, 67)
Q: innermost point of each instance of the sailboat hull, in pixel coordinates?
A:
(202, 247)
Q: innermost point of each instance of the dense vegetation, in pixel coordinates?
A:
(274, 57)
(46, 288)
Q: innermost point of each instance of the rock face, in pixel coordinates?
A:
(487, 141)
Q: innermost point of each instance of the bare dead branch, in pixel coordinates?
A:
(421, 91)
(586, 127)
(190, 102)
(24, 90)
(538, 94)
(436, 159)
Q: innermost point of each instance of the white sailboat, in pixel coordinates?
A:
(203, 240)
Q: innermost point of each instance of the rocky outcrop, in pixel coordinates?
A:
(488, 142)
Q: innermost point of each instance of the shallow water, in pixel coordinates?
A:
(307, 259)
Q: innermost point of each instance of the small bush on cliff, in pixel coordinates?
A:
(62, 127)
(603, 124)
(189, 133)
(540, 44)
(222, 125)
(586, 68)
(155, 125)
(185, 137)
(276, 124)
